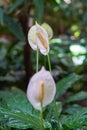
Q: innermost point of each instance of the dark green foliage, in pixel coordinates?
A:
(77, 97)
(15, 5)
(69, 22)
(1, 14)
(66, 83)
(39, 9)
(17, 111)
(15, 27)
(77, 120)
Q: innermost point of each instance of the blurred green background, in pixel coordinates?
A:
(68, 19)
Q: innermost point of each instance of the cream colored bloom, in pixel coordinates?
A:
(41, 89)
(32, 37)
(48, 29)
(38, 37)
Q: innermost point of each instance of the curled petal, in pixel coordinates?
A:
(41, 83)
(42, 39)
(38, 37)
(32, 37)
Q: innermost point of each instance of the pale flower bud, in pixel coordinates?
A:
(41, 89)
(48, 29)
(38, 37)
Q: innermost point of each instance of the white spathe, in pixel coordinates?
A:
(36, 41)
(32, 37)
(33, 90)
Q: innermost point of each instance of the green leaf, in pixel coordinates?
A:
(66, 83)
(20, 120)
(4, 127)
(16, 100)
(77, 97)
(14, 27)
(3, 52)
(1, 14)
(39, 9)
(77, 120)
(15, 5)
(59, 107)
(72, 109)
(17, 111)
(20, 101)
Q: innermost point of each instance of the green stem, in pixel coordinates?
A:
(56, 114)
(37, 60)
(49, 62)
(41, 117)
(54, 102)
(45, 61)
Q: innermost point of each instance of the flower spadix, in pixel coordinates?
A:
(38, 37)
(41, 89)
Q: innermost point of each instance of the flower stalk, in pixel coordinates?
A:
(41, 116)
(49, 64)
(54, 102)
(37, 60)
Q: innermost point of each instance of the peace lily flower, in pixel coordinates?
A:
(41, 89)
(48, 29)
(38, 37)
